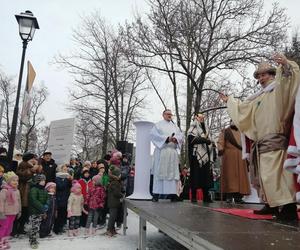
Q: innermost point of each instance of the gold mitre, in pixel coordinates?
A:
(264, 67)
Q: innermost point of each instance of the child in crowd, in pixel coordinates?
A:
(104, 180)
(47, 223)
(114, 196)
(105, 177)
(38, 198)
(63, 182)
(94, 169)
(86, 184)
(95, 202)
(10, 206)
(75, 208)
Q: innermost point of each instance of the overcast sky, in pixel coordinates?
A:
(56, 19)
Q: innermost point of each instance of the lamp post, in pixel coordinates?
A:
(27, 26)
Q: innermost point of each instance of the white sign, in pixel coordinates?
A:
(61, 139)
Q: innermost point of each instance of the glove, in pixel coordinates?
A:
(45, 208)
(70, 214)
(86, 207)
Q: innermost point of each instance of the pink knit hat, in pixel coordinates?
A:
(75, 185)
(49, 185)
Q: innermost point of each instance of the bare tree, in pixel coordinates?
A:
(35, 118)
(292, 51)
(7, 91)
(107, 88)
(200, 38)
(87, 137)
(42, 135)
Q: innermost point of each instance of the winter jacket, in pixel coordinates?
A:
(47, 223)
(25, 173)
(49, 169)
(4, 162)
(38, 198)
(86, 185)
(114, 193)
(75, 204)
(105, 180)
(96, 197)
(75, 171)
(8, 207)
(63, 186)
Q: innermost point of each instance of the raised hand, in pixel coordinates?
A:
(280, 59)
(223, 97)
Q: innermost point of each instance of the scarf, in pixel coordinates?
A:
(62, 175)
(201, 151)
(10, 193)
(246, 142)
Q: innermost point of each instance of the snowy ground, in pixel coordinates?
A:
(155, 240)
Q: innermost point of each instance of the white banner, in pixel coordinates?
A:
(61, 139)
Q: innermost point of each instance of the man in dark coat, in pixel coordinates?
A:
(199, 159)
(26, 170)
(3, 159)
(49, 166)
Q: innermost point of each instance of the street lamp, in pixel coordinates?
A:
(27, 26)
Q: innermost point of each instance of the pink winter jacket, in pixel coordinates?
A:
(8, 207)
(96, 197)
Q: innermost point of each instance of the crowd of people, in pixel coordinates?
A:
(37, 197)
(45, 196)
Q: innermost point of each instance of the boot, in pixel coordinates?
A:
(194, 196)
(76, 232)
(155, 198)
(70, 233)
(267, 210)
(206, 196)
(5, 243)
(175, 198)
(93, 231)
(34, 244)
(288, 213)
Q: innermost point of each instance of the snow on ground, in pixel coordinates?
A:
(155, 240)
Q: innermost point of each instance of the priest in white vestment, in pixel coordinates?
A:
(167, 139)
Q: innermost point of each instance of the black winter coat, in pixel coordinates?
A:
(63, 187)
(200, 175)
(114, 193)
(49, 170)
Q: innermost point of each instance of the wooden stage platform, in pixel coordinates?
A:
(196, 226)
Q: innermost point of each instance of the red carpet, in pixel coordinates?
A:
(246, 213)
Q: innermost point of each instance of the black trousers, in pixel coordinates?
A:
(20, 223)
(83, 219)
(120, 215)
(113, 212)
(60, 220)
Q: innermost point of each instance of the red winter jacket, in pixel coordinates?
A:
(85, 186)
(96, 197)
